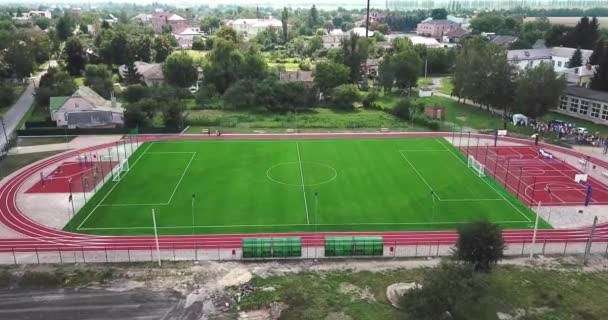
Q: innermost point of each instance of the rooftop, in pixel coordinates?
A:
(587, 93)
(440, 22)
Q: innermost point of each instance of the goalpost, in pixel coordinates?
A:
(477, 166)
(120, 169)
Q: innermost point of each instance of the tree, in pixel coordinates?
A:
(344, 96)
(20, 57)
(139, 48)
(135, 117)
(354, 53)
(64, 27)
(99, 78)
(210, 24)
(284, 25)
(132, 75)
(198, 44)
(329, 75)
(446, 292)
(600, 78)
(179, 70)
(313, 17)
(598, 52)
(135, 92)
(538, 90)
(386, 74)
(577, 59)
(173, 115)
(7, 94)
(241, 94)
(406, 67)
(162, 47)
(480, 244)
(84, 28)
(227, 33)
(75, 56)
(223, 65)
(439, 14)
(42, 23)
(54, 83)
(119, 47)
(403, 109)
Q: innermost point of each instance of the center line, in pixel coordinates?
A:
(303, 188)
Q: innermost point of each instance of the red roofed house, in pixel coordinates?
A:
(161, 19)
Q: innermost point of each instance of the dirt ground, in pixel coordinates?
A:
(200, 290)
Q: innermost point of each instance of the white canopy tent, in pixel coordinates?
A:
(520, 118)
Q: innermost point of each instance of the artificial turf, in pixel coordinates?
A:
(232, 186)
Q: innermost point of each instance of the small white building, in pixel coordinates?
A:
(251, 27)
(558, 57)
(86, 109)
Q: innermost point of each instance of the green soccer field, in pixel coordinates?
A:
(232, 186)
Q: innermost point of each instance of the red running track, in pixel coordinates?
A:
(42, 238)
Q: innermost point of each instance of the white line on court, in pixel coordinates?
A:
(500, 194)
(419, 175)
(303, 185)
(114, 186)
(181, 178)
(295, 225)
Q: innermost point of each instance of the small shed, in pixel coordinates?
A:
(520, 119)
(435, 112)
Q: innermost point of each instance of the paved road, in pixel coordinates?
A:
(14, 115)
(93, 304)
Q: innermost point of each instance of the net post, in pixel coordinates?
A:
(507, 174)
(468, 142)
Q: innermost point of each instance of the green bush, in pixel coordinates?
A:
(39, 279)
(344, 96)
(402, 109)
(423, 121)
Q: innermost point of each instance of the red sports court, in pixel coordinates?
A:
(534, 178)
(73, 176)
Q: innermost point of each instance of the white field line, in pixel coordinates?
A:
(295, 225)
(419, 175)
(114, 186)
(303, 185)
(501, 195)
(182, 177)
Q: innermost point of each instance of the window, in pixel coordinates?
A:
(573, 105)
(605, 112)
(595, 109)
(584, 107)
(563, 103)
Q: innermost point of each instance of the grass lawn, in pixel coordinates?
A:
(422, 82)
(556, 294)
(318, 118)
(15, 162)
(289, 66)
(270, 186)
(446, 86)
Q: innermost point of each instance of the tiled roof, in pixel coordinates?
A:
(440, 22)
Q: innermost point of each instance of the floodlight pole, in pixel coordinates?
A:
(71, 197)
(192, 212)
(535, 230)
(156, 237)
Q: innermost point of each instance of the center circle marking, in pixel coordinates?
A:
(330, 173)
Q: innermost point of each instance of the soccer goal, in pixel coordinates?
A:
(120, 170)
(477, 166)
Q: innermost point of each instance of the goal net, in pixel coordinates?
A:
(120, 170)
(476, 166)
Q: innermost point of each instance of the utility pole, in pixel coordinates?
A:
(367, 21)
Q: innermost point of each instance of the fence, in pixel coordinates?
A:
(168, 252)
